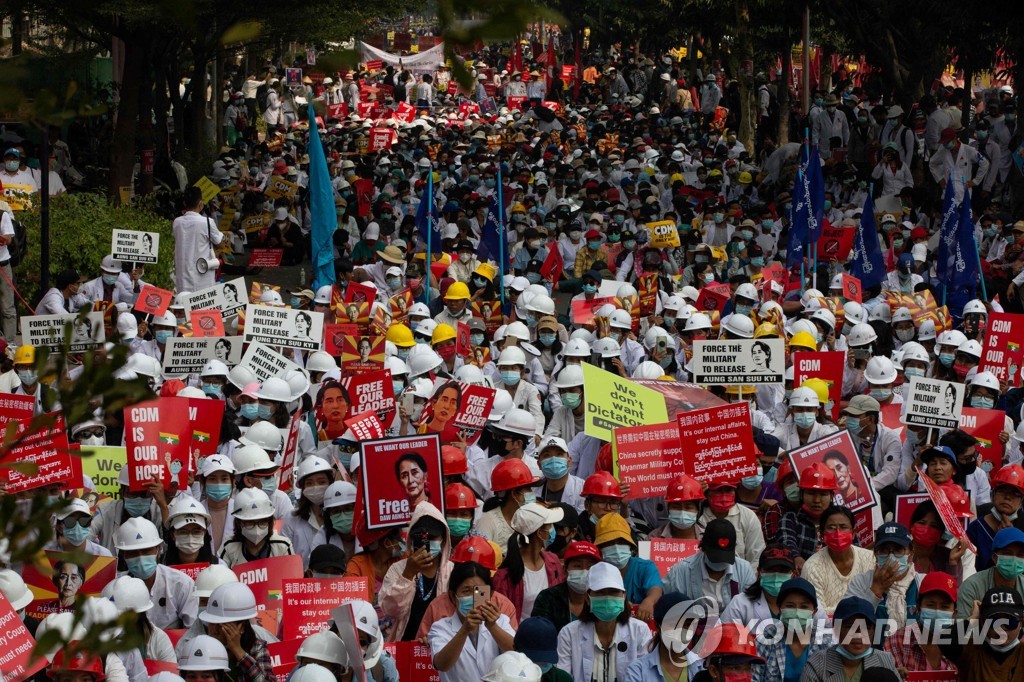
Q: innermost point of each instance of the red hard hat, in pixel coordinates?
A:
(510, 474)
(604, 458)
(78, 662)
(367, 536)
(602, 483)
(958, 500)
(453, 461)
(818, 477)
(477, 549)
(1011, 475)
(458, 496)
(684, 489)
(582, 548)
(785, 469)
(730, 639)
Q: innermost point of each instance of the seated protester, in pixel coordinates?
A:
(1007, 572)
(131, 505)
(312, 476)
(891, 586)
(684, 498)
(759, 602)
(460, 505)
(566, 530)
(564, 602)
(208, 580)
(929, 551)
(879, 446)
(509, 439)
(227, 617)
(338, 516)
(1000, 656)
(80, 667)
(512, 483)
(721, 504)
(528, 569)
(730, 653)
(412, 583)
(755, 492)
(669, 658)
(131, 595)
(788, 486)
(378, 663)
(216, 485)
(187, 525)
(478, 550)
(643, 586)
(173, 592)
(797, 636)
(254, 469)
(537, 639)
(799, 531)
(605, 640)
(831, 568)
(715, 571)
(968, 475)
(326, 650)
(803, 425)
(915, 647)
(558, 485)
(465, 644)
(1007, 494)
(852, 655)
(602, 495)
(380, 549)
(326, 561)
(254, 524)
(71, 532)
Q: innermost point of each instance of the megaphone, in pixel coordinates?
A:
(204, 265)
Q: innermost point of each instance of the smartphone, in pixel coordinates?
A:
(420, 539)
(481, 595)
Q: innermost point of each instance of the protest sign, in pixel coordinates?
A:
(335, 335)
(739, 361)
(227, 297)
(985, 426)
(362, 353)
(58, 578)
(42, 448)
(711, 300)
(266, 258)
(950, 520)
(827, 366)
(369, 391)
(47, 331)
(398, 473)
(905, 506)
(184, 355)
(1003, 351)
(489, 312)
(307, 603)
(612, 402)
(457, 411)
(103, 465)
(16, 662)
(207, 323)
(400, 304)
(890, 417)
(289, 453)
(852, 290)
(257, 223)
(583, 311)
(282, 657)
(158, 437)
(933, 403)
(462, 344)
(154, 300)
(365, 426)
(208, 187)
(205, 417)
(135, 247)
(265, 577)
(647, 287)
(647, 458)
(666, 552)
(836, 242)
(931, 676)
(265, 362)
(554, 265)
(279, 188)
(192, 570)
(299, 329)
(662, 234)
(837, 452)
(15, 407)
(718, 443)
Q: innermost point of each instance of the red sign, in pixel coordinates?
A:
(56, 584)
(718, 443)
(362, 354)
(378, 64)
(337, 111)
(462, 344)
(18, 643)
(265, 577)
(44, 451)
(647, 458)
(154, 300)
(380, 139)
(709, 300)
(14, 407)
(364, 195)
(308, 603)
(266, 258)
(365, 426)
(158, 437)
(457, 411)
(291, 446)
(205, 417)
(667, 552)
(282, 656)
(777, 272)
(852, 290)
(568, 72)
(394, 480)
(369, 391)
(207, 323)
(837, 452)
(835, 243)
(985, 426)
(905, 506)
(553, 265)
(647, 287)
(1003, 350)
(890, 417)
(825, 365)
(405, 112)
(515, 102)
(191, 570)
(931, 676)
(583, 310)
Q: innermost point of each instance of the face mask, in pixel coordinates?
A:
(904, 334)
(255, 534)
(717, 566)
(109, 280)
(264, 412)
(804, 420)
(720, 502)
(594, 245)
(554, 468)
(189, 544)
(28, 376)
(510, 378)
(474, 179)
(961, 371)
(682, 519)
(95, 440)
(250, 411)
(752, 482)
(136, 506)
(900, 561)
(446, 353)
(796, 619)
(629, 244)
(76, 535)
(606, 609)
(757, 261)
(913, 372)
(718, 217)
(772, 582)
(141, 567)
(617, 555)
(747, 234)
(589, 289)
(476, 339)
(947, 359)
(213, 390)
(935, 618)
(269, 485)
(163, 336)
(12, 165)
(880, 394)
(571, 400)
(743, 310)
(314, 493)
(839, 540)
(793, 492)
(709, 277)
(853, 425)
(295, 302)
(465, 605)
(218, 492)
(1010, 567)
(546, 339)
(528, 498)
(841, 650)
(533, 278)
(982, 402)
(394, 283)
(434, 547)
(342, 521)
(577, 581)
(458, 527)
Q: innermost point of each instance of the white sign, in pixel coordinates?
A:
(48, 331)
(184, 356)
(738, 361)
(933, 403)
(265, 362)
(136, 247)
(301, 329)
(227, 297)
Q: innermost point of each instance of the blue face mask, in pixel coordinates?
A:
(629, 244)
(109, 280)
(546, 339)
(982, 402)
(476, 339)
(947, 359)
(936, 618)
(913, 372)
(853, 425)
(342, 521)
(571, 400)
(880, 394)
(76, 535)
(269, 485)
(804, 420)
(163, 336)
(606, 609)
(617, 555)
(768, 223)
(669, 321)
(345, 458)
(465, 605)
(594, 244)
(510, 378)
(554, 467)
(490, 182)
(841, 650)
(533, 277)
(402, 354)
(901, 561)
(682, 519)
(757, 261)
(295, 302)
(752, 482)
(589, 289)
(264, 412)
(747, 234)
(249, 411)
(743, 310)
(137, 506)
(528, 498)
(213, 390)
(772, 582)
(531, 322)
(218, 492)
(141, 567)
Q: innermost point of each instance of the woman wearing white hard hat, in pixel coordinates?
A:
(71, 532)
(313, 475)
(228, 616)
(189, 524)
(254, 536)
(204, 659)
(377, 662)
(142, 504)
(325, 649)
(131, 594)
(338, 516)
(255, 469)
(216, 481)
(139, 545)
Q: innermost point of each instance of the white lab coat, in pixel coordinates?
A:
(175, 604)
(475, 660)
(195, 236)
(576, 647)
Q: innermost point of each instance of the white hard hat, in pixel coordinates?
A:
(298, 382)
(926, 332)
(339, 494)
(674, 302)
(902, 314)
(606, 310)
(252, 504)
(275, 389)
(912, 350)
(249, 458)
(880, 370)
(241, 376)
(470, 374)
(204, 653)
(740, 325)
(323, 295)
(690, 293)
(951, 337)
(144, 365)
(570, 377)
(620, 319)
(986, 380)
(698, 321)
(166, 320)
(264, 435)
(648, 370)
(747, 290)
(212, 577)
(541, 303)
(810, 295)
(14, 588)
(137, 533)
(321, 361)
(311, 465)
(131, 594)
(191, 392)
(323, 646)
(970, 347)
(500, 407)
(421, 388)
(511, 356)
(513, 666)
(214, 368)
(625, 290)
(127, 326)
(824, 315)
(803, 397)
(271, 297)
(881, 313)
(518, 330)
(578, 348)
(423, 362)
(837, 281)
(419, 310)
(862, 335)
(186, 506)
(110, 266)
(974, 306)
(888, 218)
(607, 347)
(855, 313)
(425, 327)
(518, 421)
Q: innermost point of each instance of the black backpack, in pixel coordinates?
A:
(18, 246)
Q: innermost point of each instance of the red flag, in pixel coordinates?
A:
(579, 70)
(553, 264)
(517, 56)
(550, 66)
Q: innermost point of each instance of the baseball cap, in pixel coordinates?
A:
(851, 608)
(776, 557)
(581, 548)
(801, 585)
(1001, 601)
(529, 518)
(861, 404)
(537, 638)
(937, 581)
(327, 556)
(604, 576)
(1007, 536)
(719, 541)
(76, 505)
(940, 451)
(570, 519)
(893, 532)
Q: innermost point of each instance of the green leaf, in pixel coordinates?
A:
(242, 32)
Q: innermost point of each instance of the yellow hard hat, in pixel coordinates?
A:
(819, 387)
(766, 329)
(517, 208)
(442, 332)
(401, 336)
(745, 178)
(485, 270)
(803, 340)
(457, 291)
(25, 355)
(734, 389)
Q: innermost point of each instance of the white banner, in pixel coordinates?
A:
(265, 362)
(135, 247)
(739, 361)
(301, 329)
(184, 356)
(48, 331)
(428, 60)
(227, 297)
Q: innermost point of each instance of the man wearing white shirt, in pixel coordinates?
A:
(8, 312)
(195, 236)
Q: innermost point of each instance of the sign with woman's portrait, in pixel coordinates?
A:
(398, 474)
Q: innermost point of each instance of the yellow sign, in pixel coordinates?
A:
(125, 192)
(226, 219)
(209, 188)
(414, 48)
(102, 465)
(662, 233)
(279, 187)
(256, 223)
(613, 401)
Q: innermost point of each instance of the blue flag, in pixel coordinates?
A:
(322, 213)
(427, 216)
(493, 235)
(964, 272)
(797, 227)
(813, 193)
(868, 265)
(947, 235)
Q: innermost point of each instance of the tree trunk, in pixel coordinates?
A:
(122, 147)
(17, 35)
(745, 56)
(197, 126)
(785, 101)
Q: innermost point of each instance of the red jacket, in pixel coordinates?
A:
(514, 591)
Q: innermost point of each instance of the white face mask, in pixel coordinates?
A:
(255, 534)
(465, 257)
(314, 493)
(188, 544)
(94, 440)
